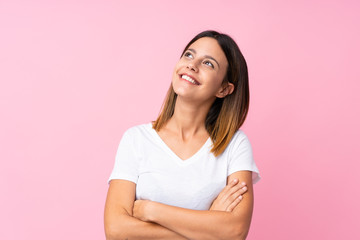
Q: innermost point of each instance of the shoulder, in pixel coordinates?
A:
(240, 155)
(134, 137)
(239, 137)
(138, 130)
(138, 134)
(239, 141)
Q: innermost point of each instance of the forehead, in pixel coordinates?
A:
(209, 46)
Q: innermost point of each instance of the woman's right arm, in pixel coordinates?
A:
(118, 217)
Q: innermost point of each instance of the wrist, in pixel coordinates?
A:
(151, 211)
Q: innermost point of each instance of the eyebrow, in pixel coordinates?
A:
(206, 56)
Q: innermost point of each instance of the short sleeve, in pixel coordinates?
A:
(241, 156)
(127, 159)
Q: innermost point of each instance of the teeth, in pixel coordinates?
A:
(187, 78)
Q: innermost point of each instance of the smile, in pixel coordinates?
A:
(189, 79)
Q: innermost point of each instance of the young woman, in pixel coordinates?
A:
(190, 173)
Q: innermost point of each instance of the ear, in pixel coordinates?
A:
(225, 90)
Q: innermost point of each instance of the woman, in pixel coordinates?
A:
(190, 173)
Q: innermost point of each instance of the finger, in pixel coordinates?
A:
(232, 184)
(241, 191)
(236, 188)
(230, 199)
(230, 189)
(234, 204)
(229, 186)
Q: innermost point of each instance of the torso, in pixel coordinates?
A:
(162, 176)
(184, 149)
(165, 177)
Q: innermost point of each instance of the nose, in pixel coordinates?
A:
(192, 66)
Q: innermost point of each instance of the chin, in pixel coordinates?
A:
(179, 89)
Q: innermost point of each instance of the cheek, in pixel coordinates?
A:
(174, 76)
(177, 68)
(218, 79)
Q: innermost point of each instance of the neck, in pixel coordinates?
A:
(188, 119)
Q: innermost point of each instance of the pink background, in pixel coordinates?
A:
(76, 74)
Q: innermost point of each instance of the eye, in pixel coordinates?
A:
(209, 64)
(188, 54)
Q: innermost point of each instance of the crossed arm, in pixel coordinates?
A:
(227, 218)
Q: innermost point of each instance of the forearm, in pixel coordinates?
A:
(196, 224)
(128, 227)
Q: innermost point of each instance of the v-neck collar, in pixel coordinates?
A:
(171, 152)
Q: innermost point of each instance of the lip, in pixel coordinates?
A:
(196, 81)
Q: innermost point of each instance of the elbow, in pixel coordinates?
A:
(112, 233)
(225, 232)
(115, 232)
(237, 232)
(241, 235)
(110, 236)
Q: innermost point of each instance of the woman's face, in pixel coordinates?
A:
(199, 74)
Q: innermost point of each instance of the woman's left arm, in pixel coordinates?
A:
(198, 224)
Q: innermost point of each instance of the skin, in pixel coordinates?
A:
(185, 132)
(229, 216)
(229, 197)
(195, 224)
(123, 214)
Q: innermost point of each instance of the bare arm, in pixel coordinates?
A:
(196, 224)
(118, 219)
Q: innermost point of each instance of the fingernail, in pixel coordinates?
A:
(240, 197)
(244, 188)
(243, 183)
(235, 180)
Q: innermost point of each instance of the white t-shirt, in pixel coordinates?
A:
(160, 175)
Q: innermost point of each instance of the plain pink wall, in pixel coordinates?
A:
(76, 74)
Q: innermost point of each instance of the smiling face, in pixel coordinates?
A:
(199, 74)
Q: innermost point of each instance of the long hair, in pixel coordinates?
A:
(226, 115)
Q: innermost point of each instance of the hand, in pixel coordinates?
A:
(229, 197)
(141, 209)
